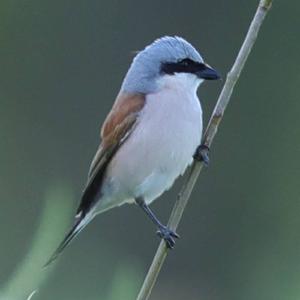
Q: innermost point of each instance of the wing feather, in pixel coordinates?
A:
(116, 129)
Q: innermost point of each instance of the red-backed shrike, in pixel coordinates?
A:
(149, 137)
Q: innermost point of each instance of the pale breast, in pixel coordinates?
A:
(161, 146)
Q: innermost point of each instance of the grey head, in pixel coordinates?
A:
(165, 56)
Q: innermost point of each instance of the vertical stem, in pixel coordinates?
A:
(209, 135)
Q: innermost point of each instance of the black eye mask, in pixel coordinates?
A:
(183, 66)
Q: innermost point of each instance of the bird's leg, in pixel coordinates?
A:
(163, 231)
(201, 154)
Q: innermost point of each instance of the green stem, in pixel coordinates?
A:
(209, 135)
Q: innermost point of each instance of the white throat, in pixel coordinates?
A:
(184, 81)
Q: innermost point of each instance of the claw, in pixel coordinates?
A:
(168, 235)
(175, 234)
(201, 154)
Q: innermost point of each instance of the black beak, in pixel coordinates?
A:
(208, 73)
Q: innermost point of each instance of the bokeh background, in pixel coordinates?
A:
(61, 65)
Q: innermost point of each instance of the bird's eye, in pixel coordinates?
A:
(185, 62)
(185, 65)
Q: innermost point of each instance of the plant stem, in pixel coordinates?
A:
(209, 135)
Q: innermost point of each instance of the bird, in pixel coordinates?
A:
(149, 138)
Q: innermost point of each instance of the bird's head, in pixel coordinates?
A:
(167, 56)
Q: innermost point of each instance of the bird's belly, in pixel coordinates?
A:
(157, 152)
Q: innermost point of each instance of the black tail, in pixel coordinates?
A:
(76, 228)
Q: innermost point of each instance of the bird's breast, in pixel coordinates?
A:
(161, 146)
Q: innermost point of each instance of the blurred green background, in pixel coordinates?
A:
(61, 65)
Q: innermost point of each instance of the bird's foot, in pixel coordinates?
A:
(168, 235)
(201, 154)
